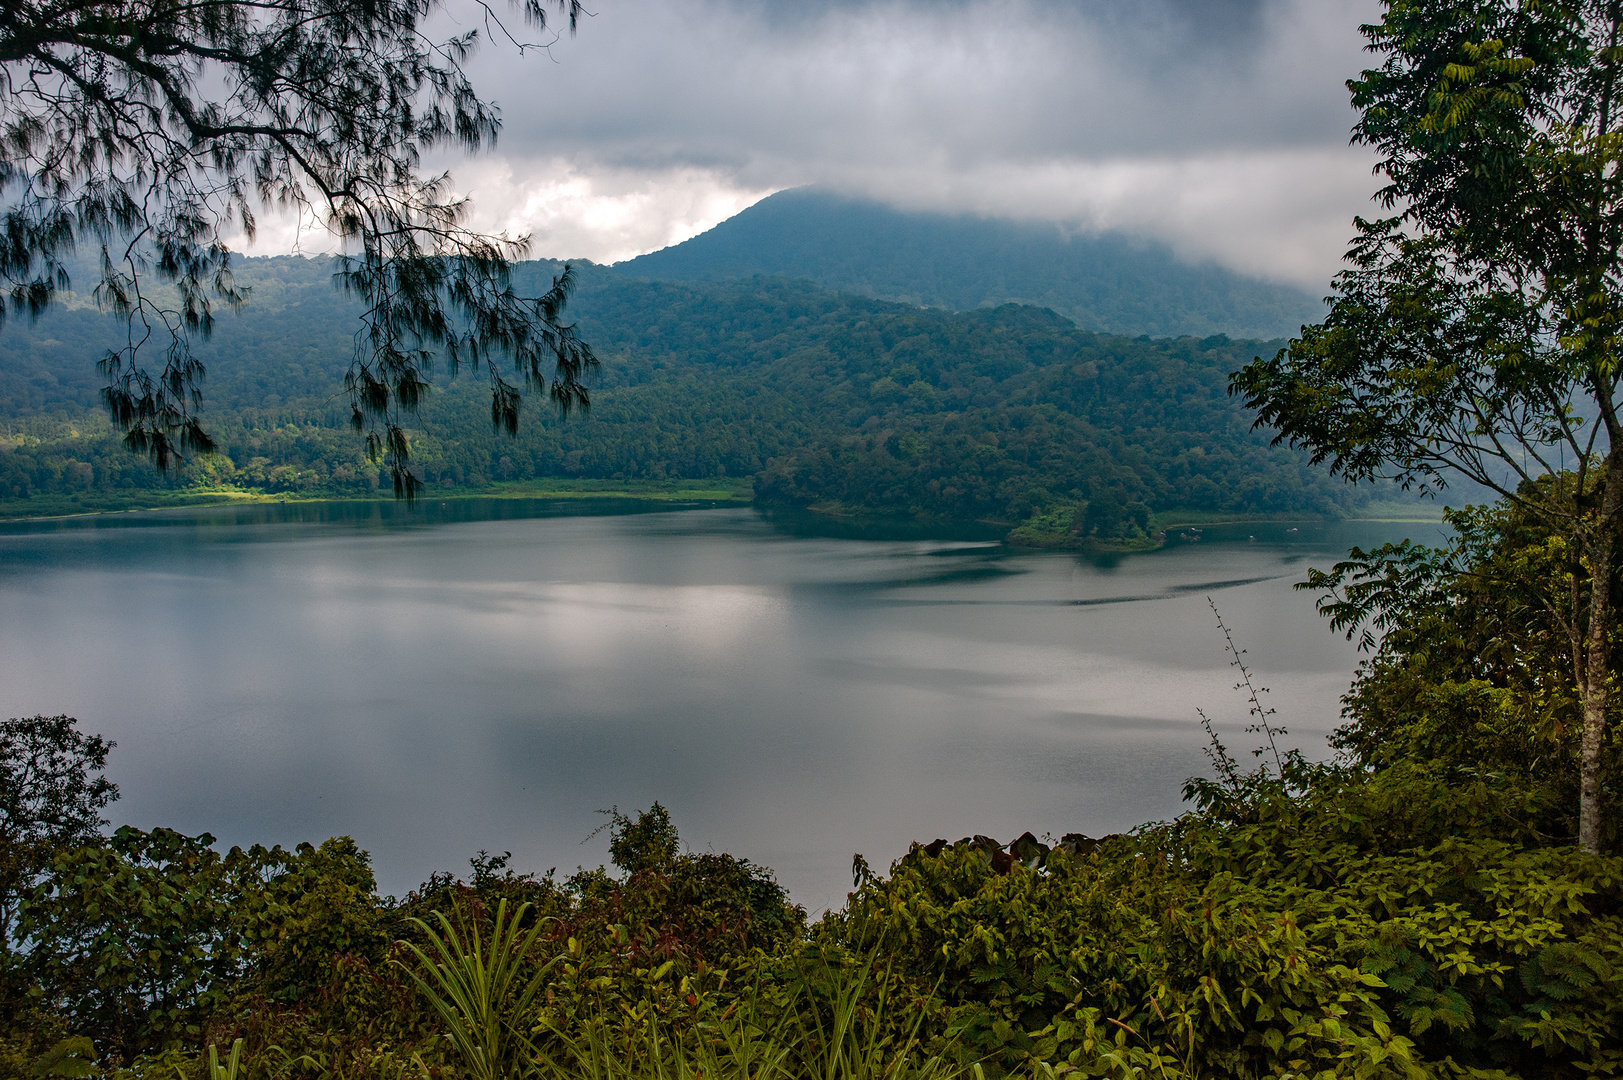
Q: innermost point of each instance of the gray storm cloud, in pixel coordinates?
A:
(1218, 126)
(726, 84)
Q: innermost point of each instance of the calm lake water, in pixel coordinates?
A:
(463, 676)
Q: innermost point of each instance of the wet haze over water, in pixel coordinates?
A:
(435, 687)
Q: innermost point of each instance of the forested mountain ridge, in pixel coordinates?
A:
(1104, 282)
(820, 398)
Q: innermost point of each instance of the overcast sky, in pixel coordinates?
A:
(1218, 126)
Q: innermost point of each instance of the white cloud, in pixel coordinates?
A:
(605, 213)
(602, 213)
(1218, 126)
(1277, 214)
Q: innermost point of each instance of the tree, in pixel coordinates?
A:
(148, 130)
(1473, 669)
(1475, 332)
(51, 799)
(136, 937)
(131, 938)
(648, 843)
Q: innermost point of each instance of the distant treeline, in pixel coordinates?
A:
(819, 398)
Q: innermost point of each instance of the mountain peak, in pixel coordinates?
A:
(1108, 282)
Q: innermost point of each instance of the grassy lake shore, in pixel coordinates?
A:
(58, 506)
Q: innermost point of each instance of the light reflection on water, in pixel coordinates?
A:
(433, 684)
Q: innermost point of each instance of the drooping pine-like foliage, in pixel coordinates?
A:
(146, 132)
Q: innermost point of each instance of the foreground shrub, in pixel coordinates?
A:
(1364, 926)
(1416, 920)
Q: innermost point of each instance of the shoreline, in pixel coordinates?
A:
(55, 511)
(1165, 528)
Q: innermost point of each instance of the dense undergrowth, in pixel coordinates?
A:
(1417, 908)
(1414, 923)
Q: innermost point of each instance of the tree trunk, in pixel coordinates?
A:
(1596, 691)
(1594, 734)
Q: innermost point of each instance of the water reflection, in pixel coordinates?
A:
(462, 678)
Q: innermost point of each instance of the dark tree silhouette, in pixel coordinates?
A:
(51, 798)
(1477, 331)
(148, 130)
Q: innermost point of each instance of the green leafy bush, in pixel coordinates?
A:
(1362, 925)
(1330, 921)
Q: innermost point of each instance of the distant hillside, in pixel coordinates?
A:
(1107, 283)
(1007, 414)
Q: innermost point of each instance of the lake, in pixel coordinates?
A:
(487, 674)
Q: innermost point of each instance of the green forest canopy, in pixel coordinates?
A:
(815, 397)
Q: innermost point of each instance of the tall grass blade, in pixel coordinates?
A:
(838, 1042)
(477, 988)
